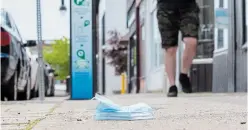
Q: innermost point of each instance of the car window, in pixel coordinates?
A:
(11, 22)
(8, 22)
(18, 33)
(3, 18)
(14, 27)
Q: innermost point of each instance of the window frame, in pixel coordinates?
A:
(131, 16)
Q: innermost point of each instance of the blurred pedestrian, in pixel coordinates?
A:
(174, 16)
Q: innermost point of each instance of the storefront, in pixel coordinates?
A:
(240, 57)
(230, 51)
(220, 64)
(137, 48)
(155, 71)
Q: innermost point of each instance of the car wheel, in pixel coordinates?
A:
(3, 93)
(27, 93)
(50, 89)
(34, 91)
(28, 89)
(12, 88)
(53, 91)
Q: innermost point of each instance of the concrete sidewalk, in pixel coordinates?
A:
(187, 112)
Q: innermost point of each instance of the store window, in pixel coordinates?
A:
(205, 46)
(220, 39)
(221, 23)
(221, 5)
(142, 10)
(131, 16)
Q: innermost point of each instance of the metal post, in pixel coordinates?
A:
(94, 42)
(40, 55)
(138, 50)
(231, 60)
(178, 60)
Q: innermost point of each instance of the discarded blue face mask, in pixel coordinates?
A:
(106, 104)
(123, 116)
(108, 110)
(139, 107)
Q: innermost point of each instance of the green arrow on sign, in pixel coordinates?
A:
(81, 54)
(79, 2)
(86, 23)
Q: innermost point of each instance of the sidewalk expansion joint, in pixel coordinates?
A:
(33, 123)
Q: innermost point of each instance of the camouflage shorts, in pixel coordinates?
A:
(171, 20)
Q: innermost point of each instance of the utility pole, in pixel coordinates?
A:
(40, 55)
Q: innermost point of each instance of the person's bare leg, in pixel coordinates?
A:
(170, 64)
(170, 67)
(188, 54)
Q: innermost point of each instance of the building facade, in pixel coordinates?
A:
(220, 64)
(146, 58)
(230, 54)
(111, 16)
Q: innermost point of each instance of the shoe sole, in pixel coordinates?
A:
(171, 95)
(187, 91)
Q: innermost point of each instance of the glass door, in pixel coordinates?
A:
(202, 68)
(132, 64)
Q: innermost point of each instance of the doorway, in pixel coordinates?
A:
(132, 63)
(202, 69)
(103, 58)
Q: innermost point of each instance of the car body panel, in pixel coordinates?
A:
(49, 80)
(34, 67)
(13, 56)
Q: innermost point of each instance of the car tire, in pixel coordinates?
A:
(46, 85)
(53, 91)
(12, 92)
(34, 91)
(27, 92)
(3, 91)
(26, 95)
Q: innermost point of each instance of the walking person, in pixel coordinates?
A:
(174, 16)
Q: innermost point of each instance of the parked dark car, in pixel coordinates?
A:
(49, 74)
(15, 64)
(49, 81)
